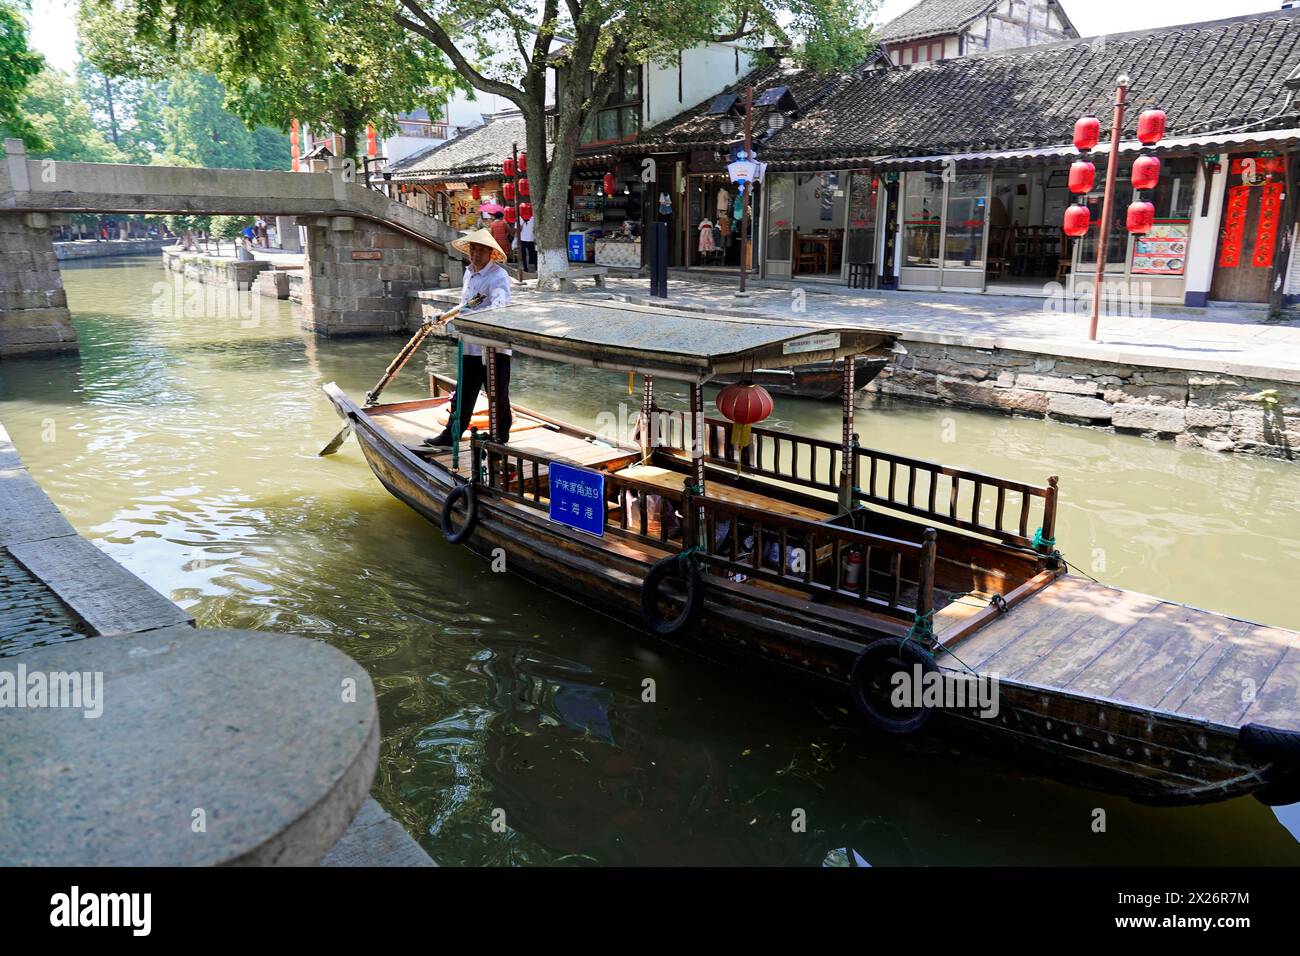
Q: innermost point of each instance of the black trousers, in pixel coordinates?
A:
(528, 255)
(474, 378)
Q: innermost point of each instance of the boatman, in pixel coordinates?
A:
(484, 275)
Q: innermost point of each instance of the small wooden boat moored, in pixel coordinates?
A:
(928, 597)
(820, 381)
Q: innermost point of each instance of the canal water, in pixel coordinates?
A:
(182, 440)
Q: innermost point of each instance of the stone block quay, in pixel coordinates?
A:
(131, 738)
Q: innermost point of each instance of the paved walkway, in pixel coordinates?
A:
(1229, 339)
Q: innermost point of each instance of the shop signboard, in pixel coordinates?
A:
(1162, 251)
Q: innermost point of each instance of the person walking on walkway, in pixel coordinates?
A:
(484, 276)
(527, 247)
(501, 231)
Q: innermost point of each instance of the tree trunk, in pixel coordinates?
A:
(112, 113)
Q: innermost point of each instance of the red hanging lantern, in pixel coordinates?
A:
(1151, 126)
(508, 168)
(743, 403)
(1146, 172)
(523, 165)
(609, 184)
(511, 215)
(508, 190)
(523, 186)
(1141, 217)
(475, 192)
(1083, 175)
(1076, 220)
(1086, 133)
(525, 210)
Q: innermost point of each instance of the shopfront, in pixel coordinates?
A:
(605, 224)
(999, 230)
(818, 223)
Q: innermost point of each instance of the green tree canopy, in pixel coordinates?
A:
(19, 65)
(55, 110)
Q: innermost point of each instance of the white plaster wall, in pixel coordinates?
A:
(705, 71)
(1292, 286)
(1205, 229)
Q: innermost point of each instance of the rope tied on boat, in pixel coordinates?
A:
(691, 488)
(1042, 542)
(922, 628)
(685, 556)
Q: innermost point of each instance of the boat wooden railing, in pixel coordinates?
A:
(523, 476)
(1013, 512)
(767, 547)
(811, 556)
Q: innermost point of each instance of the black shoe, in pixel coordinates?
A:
(442, 441)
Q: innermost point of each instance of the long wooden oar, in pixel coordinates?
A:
(396, 364)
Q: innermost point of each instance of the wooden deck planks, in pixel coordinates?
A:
(1170, 635)
(1181, 663)
(1233, 685)
(1277, 703)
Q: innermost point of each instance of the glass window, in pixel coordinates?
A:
(607, 125)
(631, 84)
(780, 217)
(629, 120)
(862, 217)
(1117, 240)
(964, 239)
(922, 207)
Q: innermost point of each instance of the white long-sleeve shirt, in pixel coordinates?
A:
(494, 283)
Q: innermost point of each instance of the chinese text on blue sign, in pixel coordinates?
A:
(578, 498)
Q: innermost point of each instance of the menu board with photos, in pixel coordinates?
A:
(1162, 251)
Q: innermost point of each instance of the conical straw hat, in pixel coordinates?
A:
(482, 237)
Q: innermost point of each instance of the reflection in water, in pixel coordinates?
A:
(186, 448)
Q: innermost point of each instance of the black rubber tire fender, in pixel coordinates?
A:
(888, 654)
(465, 491)
(671, 567)
(1271, 743)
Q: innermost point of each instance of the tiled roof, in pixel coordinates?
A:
(930, 18)
(695, 128)
(477, 150)
(1206, 76)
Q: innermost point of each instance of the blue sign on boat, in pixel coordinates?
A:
(578, 498)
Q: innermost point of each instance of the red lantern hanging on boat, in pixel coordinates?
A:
(1146, 172)
(508, 168)
(508, 191)
(1083, 175)
(510, 214)
(523, 186)
(744, 404)
(525, 210)
(1151, 127)
(1076, 220)
(1141, 217)
(1086, 133)
(608, 183)
(523, 164)
(475, 192)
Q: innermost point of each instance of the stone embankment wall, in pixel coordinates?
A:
(206, 269)
(1214, 410)
(90, 249)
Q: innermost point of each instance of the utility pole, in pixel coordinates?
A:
(746, 189)
(1103, 227)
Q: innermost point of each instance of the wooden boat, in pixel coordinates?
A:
(751, 556)
(822, 380)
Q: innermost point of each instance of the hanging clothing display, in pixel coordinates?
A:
(724, 226)
(724, 199)
(707, 243)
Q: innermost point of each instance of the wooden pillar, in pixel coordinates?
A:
(647, 415)
(1286, 226)
(490, 365)
(848, 440)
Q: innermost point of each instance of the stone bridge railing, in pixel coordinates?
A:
(365, 252)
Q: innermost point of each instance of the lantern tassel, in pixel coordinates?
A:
(740, 440)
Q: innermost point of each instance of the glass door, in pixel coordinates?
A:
(780, 224)
(860, 221)
(966, 202)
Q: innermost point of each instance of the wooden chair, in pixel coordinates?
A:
(805, 261)
(1066, 257)
(862, 275)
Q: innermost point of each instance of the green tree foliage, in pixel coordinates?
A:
(54, 108)
(349, 66)
(18, 66)
(127, 110)
(198, 131)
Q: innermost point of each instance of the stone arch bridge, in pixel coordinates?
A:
(364, 252)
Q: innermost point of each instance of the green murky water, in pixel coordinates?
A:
(182, 440)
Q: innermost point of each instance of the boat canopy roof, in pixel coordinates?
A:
(661, 341)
